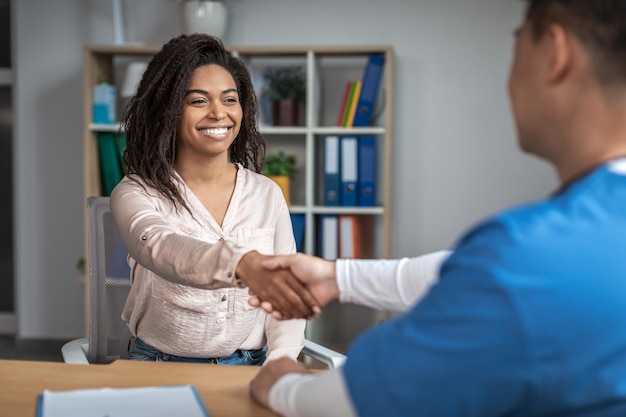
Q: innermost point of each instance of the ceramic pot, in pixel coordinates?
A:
(285, 112)
(204, 16)
(284, 182)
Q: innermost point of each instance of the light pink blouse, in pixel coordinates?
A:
(184, 300)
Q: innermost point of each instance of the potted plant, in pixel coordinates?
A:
(279, 167)
(285, 88)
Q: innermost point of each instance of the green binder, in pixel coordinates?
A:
(110, 168)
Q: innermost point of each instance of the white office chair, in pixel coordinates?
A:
(109, 284)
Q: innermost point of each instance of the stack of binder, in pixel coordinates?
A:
(350, 170)
(345, 236)
(350, 161)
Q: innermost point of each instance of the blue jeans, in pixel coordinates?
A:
(141, 351)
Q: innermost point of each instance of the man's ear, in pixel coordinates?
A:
(560, 46)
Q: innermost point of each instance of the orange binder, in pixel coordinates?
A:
(356, 236)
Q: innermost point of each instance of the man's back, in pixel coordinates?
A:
(527, 319)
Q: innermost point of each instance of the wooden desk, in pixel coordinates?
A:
(223, 389)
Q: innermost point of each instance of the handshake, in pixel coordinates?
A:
(289, 286)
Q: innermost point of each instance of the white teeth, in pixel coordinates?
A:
(219, 131)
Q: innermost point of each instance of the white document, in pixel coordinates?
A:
(176, 400)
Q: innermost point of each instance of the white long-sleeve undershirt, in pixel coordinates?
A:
(393, 285)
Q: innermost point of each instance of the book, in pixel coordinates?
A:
(369, 90)
(110, 169)
(175, 400)
(349, 103)
(297, 223)
(344, 103)
(353, 101)
(332, 183)
(367, 171)
(356, 235)
(349, 170)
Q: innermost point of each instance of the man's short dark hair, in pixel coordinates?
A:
(599, 24)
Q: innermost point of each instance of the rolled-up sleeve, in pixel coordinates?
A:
(153, 240)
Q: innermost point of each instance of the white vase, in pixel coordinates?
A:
(204, 16)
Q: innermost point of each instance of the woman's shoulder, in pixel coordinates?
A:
(132, 183)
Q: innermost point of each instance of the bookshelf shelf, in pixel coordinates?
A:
(348, 210)
(99, 127)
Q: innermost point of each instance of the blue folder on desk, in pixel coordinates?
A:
(182, 400)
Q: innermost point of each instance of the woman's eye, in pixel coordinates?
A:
(196, 101)
(231, 100)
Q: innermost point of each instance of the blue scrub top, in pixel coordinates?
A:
(528, 318)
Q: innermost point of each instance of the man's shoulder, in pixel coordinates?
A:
(524, 222)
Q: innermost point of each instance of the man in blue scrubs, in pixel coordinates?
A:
(528, 314)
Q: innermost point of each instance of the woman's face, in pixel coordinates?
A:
(212, 113)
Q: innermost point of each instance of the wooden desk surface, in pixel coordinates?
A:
(223, 389)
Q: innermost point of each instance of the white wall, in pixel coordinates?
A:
(455, 157)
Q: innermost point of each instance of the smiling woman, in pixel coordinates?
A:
(210, 120)
(195, 213)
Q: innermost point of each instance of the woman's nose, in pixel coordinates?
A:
(216, 111)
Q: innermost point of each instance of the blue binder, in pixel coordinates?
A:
(367, 171)
(349, 170)
(297, 223)
(369, 90)
(332, 183)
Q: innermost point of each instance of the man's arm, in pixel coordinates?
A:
(392, 285)
(288, 388)
(384, 284)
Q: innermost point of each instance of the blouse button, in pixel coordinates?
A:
(221, 239)
(229, 274)
(144, 237)
(223, 298)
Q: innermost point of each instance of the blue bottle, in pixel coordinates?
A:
(104, 97)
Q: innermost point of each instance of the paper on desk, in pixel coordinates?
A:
(177, 400)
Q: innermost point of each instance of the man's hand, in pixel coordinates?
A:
(270, 373)
(278, 287)
(317, 274)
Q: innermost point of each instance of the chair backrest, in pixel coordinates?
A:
(109, 284)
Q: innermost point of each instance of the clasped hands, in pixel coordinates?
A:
(289, 286)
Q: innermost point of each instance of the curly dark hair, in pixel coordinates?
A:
(151, 117)
(599, 24)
